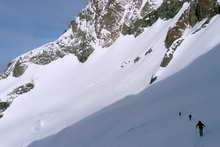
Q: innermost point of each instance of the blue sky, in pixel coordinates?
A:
(27, 24)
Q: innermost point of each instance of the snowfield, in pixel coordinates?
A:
(151, 118)
(67, 92)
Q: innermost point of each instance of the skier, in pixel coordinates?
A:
(1, 115)
(190, 117)
(180, 113)
(200, 125)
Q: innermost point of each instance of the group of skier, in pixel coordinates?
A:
(199, 124)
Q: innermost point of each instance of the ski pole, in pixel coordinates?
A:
(196, 131)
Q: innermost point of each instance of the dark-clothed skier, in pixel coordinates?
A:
(180, 113)
(190, 117)
(200, 125)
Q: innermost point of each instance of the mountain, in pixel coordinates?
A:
(112, 49)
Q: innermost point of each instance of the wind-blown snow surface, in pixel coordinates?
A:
(151, 117)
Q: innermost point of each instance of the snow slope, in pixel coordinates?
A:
(67, 91)
(58, 100)
(151, 117)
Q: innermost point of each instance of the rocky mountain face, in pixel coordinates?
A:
(198, 11)
(102, 22)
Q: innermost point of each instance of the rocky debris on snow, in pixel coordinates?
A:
(22, 89)
(148, 51)
(125, 63)
(4, 106)
(14, 94)
(153, 79)
(137, 59)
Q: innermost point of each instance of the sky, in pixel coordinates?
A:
(27, 24)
